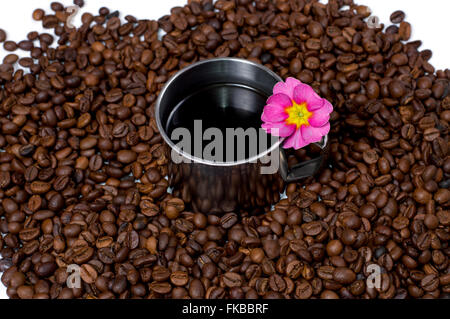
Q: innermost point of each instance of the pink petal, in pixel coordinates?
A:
(280, 99)
(319, 118)
(281, 88)
(305, 93)
(273, 113)
(324, 130)
(296, 141)
(292, 83)
(311, 134)
(327, 107)
(279, 129)
(286, 87)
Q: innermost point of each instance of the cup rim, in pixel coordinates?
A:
(196, 159)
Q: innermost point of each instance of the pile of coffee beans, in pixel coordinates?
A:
(82, 165)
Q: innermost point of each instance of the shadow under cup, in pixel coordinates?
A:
(214, 96)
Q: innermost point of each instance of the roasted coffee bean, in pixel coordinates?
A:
(126, 156)
(228, 220)
(271, 248)
(196, 289)
(430, 282)
(38, 187)
(106, 255)
(370, 157)
(79, 3)
(397, 16)
(9, 45)
(344, 275)
(334, 248)
(312, 228)
(231, 279)
(303, 290)
(294, 269)
(422, 196)
(179, 278)
(2, 35)
(160, 287)
(45, 269)
(405, 31)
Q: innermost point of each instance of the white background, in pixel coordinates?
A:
(429, 20)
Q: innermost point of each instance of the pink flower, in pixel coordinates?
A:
(297, 113)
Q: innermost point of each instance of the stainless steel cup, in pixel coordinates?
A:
(227, 186)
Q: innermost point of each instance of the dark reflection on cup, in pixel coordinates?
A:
(212, 189)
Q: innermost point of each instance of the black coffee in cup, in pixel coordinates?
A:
(223, 106)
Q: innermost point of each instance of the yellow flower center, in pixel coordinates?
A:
(298, 114)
